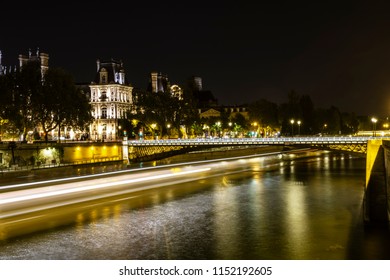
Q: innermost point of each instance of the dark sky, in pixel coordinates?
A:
(338, 52)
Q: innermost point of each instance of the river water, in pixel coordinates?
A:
(290, 207)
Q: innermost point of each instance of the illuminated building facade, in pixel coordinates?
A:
(177, 92)
(2, 68)
(158, 82)
(42, 58)
(111, 99)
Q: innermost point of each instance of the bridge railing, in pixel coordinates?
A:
(255, 141)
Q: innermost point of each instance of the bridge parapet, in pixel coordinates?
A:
(254, 141)
(377, 188)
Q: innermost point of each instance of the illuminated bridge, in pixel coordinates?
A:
(376, 149)
(145, 148)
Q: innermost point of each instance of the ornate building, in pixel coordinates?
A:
(2, 68)
(158, 82)
(111, 99)
(42, 58)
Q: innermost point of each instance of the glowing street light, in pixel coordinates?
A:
(374, 121)
(168, 129)
(254, 131)
(292, 127)
(119, 131)
(299, 127)
(218, 125)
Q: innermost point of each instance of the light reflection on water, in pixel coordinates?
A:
(302, 208)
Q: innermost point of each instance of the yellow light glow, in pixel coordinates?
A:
(47, 152)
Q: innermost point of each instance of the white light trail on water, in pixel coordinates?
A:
(29, 184)
(4, 201)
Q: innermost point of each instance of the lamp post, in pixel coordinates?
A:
(168, 130)
(218, 125)
(299, 127)
(254, 133)
(206, 129)
(292, 127)
(119, 132)
(373, 120)
(153, 125)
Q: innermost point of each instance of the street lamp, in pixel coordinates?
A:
(218, 124)
(207, 130)
(119, 132)
(153, 125)
(168, 131)
(254, 133)
(374, 120)
(292, 127)
(299, 127)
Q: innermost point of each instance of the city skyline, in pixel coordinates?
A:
(337, 53)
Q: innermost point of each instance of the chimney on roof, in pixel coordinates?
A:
(98, 65)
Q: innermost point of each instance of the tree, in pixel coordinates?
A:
(240, 124)
(265, 113)
(350, 123)
(18, 91)
(307, 114)
(60, 103)
(156, 111)
(30, 100)
(6, 100)
(188, 114)
(163, 109)
(329, 120)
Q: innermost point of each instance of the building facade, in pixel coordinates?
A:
(40, 57)
(111, 100)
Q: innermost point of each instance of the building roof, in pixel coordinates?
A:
(114, 69)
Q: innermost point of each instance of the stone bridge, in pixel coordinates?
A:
(141, 150)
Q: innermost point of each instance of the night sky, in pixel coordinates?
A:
(337, 52)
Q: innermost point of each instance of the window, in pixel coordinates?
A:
(104, 113)
(103, 97)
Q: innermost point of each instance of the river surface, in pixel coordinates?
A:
(290, 207)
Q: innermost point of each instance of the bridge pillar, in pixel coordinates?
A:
(376, 190)
(125, 150)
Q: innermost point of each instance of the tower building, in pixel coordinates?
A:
(111, 99)
(42, 58)
(158, 82)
